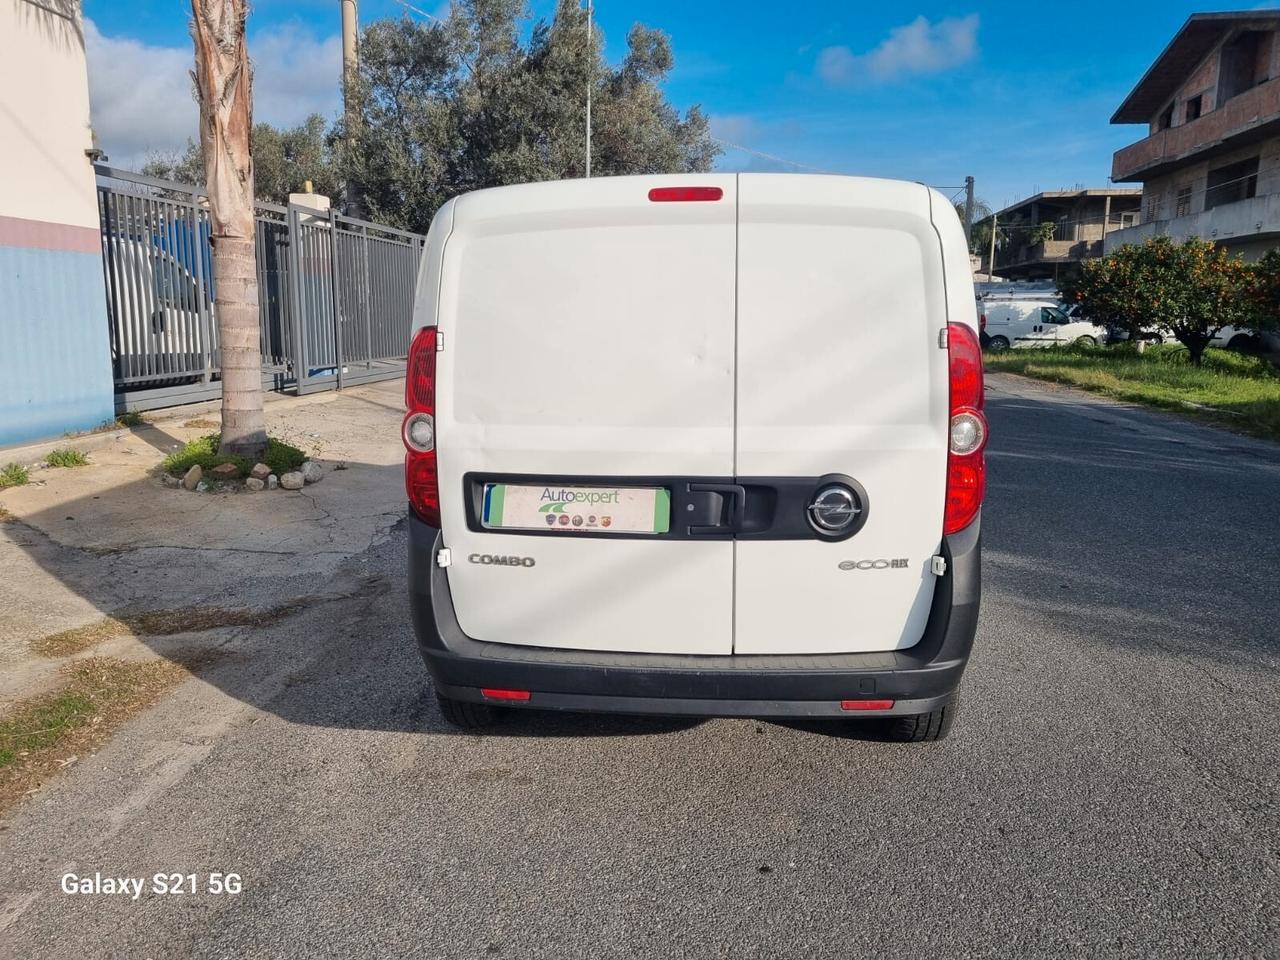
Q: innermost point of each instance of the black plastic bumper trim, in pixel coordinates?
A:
(705, 685)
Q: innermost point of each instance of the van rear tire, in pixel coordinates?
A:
(923, 727)
(464, 714)
(998, 344)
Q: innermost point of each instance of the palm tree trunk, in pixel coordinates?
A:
(224, 87)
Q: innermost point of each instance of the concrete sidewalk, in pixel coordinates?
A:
(82, 543)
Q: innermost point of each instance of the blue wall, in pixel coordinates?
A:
(55, 355)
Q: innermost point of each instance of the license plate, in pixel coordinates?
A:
(509, 506)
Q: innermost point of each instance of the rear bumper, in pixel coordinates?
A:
(918, 680)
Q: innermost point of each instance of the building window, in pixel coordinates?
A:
(1183, 205)
(1165, 120)
(1243, 64)
(1232, 183)
(1193, 108)
(1153, 207)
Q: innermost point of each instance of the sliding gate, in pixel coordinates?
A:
(335, 294)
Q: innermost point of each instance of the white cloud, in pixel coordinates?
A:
(916, 48)
(140, 93)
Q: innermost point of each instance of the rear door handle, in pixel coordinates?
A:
(729, 516)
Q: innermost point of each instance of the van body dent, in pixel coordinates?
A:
(690, 445)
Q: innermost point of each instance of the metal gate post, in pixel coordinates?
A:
(368, 302)
(335, 287)
(294, 237)
(204, 298)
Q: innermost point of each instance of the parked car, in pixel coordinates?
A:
(1020, 323)
(707, 444)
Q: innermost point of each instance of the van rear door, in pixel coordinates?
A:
(840, 370)
(588, 338)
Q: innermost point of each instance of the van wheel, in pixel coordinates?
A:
(923, 727)
(998, 344)
(1242, 343)
(464, 714)
(1086, 341)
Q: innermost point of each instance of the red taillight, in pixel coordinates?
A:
(866, 704)
(684, 194)
(967, 430)
(421, 476)
(490, 693)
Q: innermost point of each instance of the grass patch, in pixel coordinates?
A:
(66, 457)
(40, 736)
(130, 419)
(161, 623)
(13, 475)
(280, 457)
(1230, 389)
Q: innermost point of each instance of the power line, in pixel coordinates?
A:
(776, 159)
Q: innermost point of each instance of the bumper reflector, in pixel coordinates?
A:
(866, 704)
(489, 693)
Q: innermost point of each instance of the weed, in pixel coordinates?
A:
(66, 457)
(13, 475)
(161, 623)
(38, 737)
(279, 456)
(1232, 389)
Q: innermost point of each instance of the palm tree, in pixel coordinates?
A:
(223, 82)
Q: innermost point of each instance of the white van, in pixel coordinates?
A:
(706, 444)
(1032, 322)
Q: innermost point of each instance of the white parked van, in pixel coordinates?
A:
(704, 444)
(1031, 322)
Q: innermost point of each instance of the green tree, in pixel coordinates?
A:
(468, 103)
(1191, 289)
(284, 158)
(1265, 293)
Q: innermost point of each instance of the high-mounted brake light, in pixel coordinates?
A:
(421, 474)
(684, 194)
(967, 433)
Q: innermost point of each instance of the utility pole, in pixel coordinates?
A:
(350, 109)
(591, 61)
(968, 212)
(991, 260)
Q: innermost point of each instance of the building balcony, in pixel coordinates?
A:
(1252, 115)
(1257, 218)
(1049, 252)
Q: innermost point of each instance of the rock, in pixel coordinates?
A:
(293, 480)
(225, 471)
(254, 484)
(312, 472)
(260, 471)
(272, 481)
(170, 481)
(202, 486)
(191, 479)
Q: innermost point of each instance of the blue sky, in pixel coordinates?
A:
(1018, 95)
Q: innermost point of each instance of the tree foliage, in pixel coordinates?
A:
(1265, 292)
(466, 103)
(283, 160)
(1191, 290)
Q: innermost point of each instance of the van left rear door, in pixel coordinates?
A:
(588, 343)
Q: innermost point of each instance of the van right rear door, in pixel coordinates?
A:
(841, 370)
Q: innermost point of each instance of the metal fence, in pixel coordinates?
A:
(335, 294)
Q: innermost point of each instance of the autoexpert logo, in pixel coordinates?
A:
(554, 501)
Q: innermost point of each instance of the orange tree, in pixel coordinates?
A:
(1265, 292)
(1191, 290)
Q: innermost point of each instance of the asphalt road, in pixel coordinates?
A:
(1110, 788)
